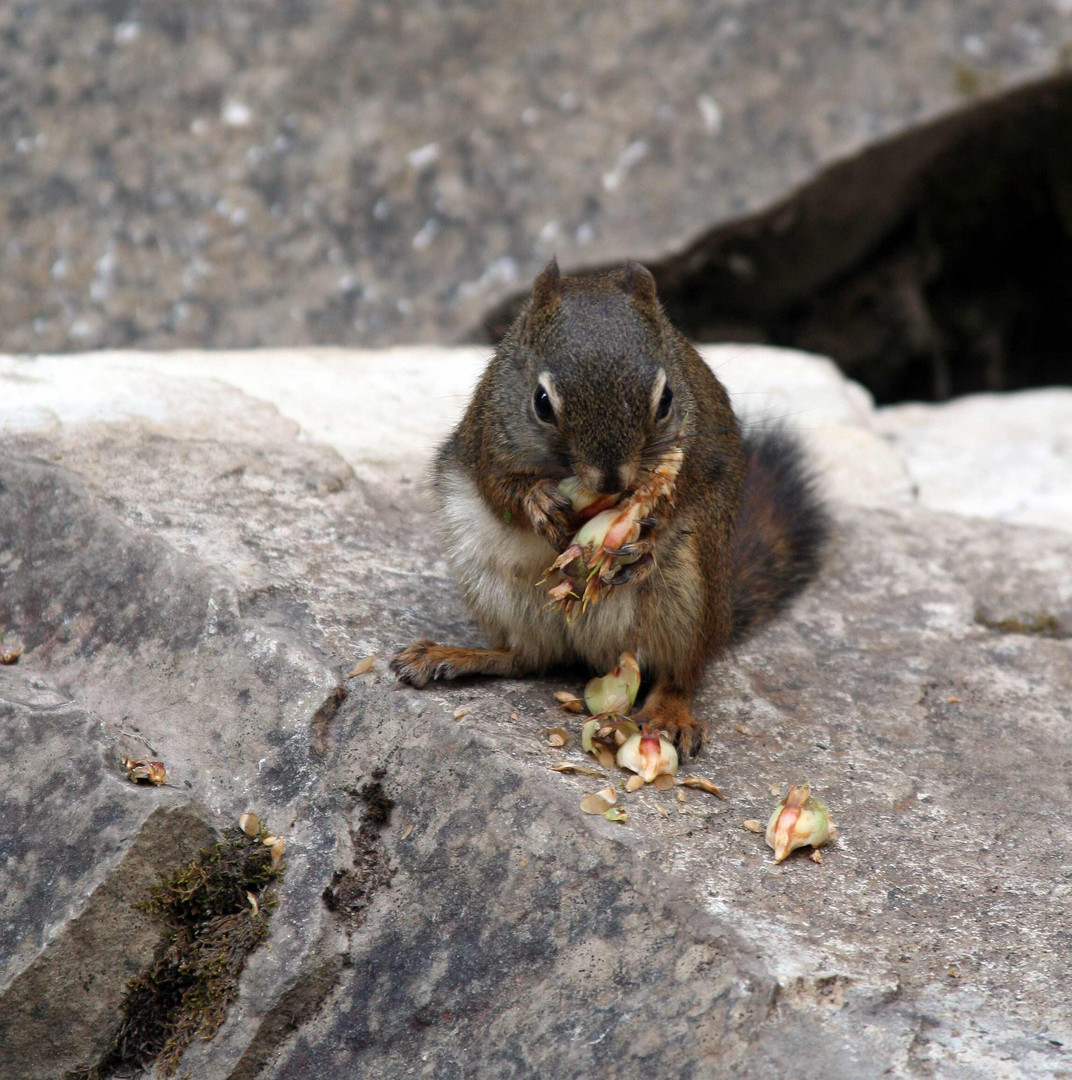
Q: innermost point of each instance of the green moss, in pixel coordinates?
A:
(966, 80)
(211, 928)
(1040, 625)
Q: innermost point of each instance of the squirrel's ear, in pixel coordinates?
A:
(547, 288)
(639, 284)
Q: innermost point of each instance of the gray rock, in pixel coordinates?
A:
(355, 173)
(1005, 456)
(200, 568)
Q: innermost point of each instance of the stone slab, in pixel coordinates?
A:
(190, 557)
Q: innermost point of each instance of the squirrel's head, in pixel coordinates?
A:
(590, 379)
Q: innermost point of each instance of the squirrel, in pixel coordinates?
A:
(593, 380)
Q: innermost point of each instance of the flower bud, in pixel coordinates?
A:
(799, 819)
(586, 503)
(648, 756)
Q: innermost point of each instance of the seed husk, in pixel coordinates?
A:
(616, 691)
(277, 851)
(250, 824)
(580, 770)
(588, 732)
(11, 651)
(362, 666)
(151, 772)
(702, 784)
(595, 804)
(569, 702)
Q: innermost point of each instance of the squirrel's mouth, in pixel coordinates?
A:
(611, 481)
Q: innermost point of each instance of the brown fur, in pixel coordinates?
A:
(715, 565)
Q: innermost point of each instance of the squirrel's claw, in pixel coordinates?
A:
(635, 572)
(550, 513)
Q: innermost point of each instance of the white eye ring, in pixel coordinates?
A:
(545, 388)
(662, 396)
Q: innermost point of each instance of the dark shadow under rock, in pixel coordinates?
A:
(934, 264)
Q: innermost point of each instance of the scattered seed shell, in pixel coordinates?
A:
(581, 770)
(277, 851)
(615, 813)
(588, 731)
(662, 810)
(10, 653)
(362, 666)
(816, 857)
(610, 795)
(254, 906)
(151, 772)
(616, 691)
(603, 755)
(569, 702)
(634, 783)
(250, 824)
(409, 829)
(595, 804)
(752, 825)
(268, 841)
(663, 782)
(557, 736)
(682, 797)
(702, 784)
(607, 695)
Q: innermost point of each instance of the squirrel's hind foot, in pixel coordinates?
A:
(667, 709)
(418, 664)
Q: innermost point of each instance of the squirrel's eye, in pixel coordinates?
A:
(667, 399)
(542, 404)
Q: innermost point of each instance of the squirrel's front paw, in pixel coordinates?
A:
(640, 554)
(550, 513)
(667, 710)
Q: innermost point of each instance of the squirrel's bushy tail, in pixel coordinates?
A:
(781, 529)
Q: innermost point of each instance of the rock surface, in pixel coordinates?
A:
(346, 172)
(196, 550)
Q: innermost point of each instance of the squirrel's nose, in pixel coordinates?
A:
(610, 482)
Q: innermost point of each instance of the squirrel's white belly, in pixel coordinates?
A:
(498, 566)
